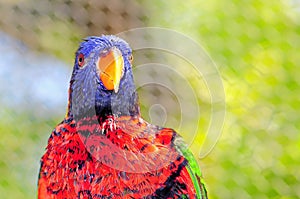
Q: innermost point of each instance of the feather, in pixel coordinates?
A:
(104, 149)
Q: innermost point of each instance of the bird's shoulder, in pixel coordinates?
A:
(148, 137)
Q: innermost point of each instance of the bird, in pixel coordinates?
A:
(103, 148)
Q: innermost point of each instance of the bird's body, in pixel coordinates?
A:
(103, 148)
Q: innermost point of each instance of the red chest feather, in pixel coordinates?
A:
(115, 158)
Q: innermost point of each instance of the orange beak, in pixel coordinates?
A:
(111, 69)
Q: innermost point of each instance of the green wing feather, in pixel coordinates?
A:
(192, 167)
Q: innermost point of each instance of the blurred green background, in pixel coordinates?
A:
(255, 45)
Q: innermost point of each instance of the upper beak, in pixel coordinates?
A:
(111, 66)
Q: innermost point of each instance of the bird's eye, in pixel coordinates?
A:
(130, 58)
(81, 60)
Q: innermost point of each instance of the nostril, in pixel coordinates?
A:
(104, 52)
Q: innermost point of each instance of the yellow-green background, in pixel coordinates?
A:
(256, 46)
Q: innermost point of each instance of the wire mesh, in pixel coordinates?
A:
(255, 45)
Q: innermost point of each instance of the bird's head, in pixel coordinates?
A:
(102, 80)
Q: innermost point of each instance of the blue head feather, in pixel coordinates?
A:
(87, 94)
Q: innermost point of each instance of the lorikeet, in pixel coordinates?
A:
(103, 148)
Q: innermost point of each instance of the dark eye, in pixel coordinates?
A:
(80, 60)
(130, 58)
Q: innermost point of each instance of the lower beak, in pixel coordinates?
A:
(111, 66)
